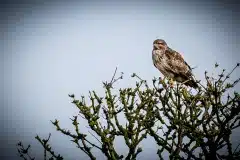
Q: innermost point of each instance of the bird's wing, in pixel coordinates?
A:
(177, 63)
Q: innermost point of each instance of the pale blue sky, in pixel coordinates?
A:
(53, 49)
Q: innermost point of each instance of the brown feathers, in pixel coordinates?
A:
(171, 64)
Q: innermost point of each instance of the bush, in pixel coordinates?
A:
(185, 123)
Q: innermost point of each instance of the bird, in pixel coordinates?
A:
(171, 64)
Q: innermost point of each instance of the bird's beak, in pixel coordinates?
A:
(155, 46)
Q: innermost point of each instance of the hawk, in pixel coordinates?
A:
(171, 64)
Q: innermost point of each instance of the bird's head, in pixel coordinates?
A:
(159, 44)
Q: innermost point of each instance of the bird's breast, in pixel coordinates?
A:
(158, 60)
(157, 54)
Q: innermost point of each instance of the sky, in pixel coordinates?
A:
(53, 48)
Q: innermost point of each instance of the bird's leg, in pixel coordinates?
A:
(171, 82)
(164, 78)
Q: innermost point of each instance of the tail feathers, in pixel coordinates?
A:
(192, 83)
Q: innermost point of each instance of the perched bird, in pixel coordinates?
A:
(171, 64)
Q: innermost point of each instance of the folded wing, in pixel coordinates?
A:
(179, 67)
